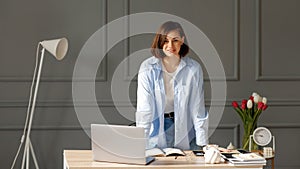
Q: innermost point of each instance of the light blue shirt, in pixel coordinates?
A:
(191, 119)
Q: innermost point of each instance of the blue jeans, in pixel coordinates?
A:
(169, 129)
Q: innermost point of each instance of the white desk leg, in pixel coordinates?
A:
(64, 163)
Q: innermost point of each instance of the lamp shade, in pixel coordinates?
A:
(57, 47)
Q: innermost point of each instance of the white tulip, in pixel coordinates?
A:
(256, 98)
(260, 99)
(264, 100)
(254, 94)
(249, 104)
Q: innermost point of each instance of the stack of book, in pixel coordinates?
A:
(245, 159)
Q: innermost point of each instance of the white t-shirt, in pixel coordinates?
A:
(169, 89)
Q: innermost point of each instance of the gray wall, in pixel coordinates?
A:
(257, 40)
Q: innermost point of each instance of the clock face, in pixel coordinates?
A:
(262, 136)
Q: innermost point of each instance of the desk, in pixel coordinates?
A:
(82, 159)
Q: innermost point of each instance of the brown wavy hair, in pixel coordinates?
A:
(159, 39)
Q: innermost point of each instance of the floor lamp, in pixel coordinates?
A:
(58, 48)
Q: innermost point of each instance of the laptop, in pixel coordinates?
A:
(118, 143)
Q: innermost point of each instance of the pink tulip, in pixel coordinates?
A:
(235, 104)
(251, 98)
(265, 107)
(243, 106)
(260, 105)
(244, 101)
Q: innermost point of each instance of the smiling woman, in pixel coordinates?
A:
(170, 91)
(169, 31)
(172, 43)
(171, 49)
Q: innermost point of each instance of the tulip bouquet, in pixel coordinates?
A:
(249, 111)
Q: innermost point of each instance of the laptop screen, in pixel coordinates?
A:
(118, 143)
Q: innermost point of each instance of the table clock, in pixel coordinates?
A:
(262, 137)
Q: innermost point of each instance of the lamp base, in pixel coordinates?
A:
(27, 150)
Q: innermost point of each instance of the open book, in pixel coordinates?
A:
(164, 152)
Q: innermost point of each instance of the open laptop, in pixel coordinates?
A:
(118, 143)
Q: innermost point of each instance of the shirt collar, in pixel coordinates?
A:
(158, 63)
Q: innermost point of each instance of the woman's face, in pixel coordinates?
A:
(172, 43)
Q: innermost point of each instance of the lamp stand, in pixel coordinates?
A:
(58, 48)
(28, 145)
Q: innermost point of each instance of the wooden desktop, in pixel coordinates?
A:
(82, 159)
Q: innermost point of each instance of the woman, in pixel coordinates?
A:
(170, 96)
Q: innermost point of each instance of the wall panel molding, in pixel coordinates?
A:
(103, 69)
(258, 48)
(110, 103)
(20, 128)
(235, 129)
(236, 46)
(282, 125)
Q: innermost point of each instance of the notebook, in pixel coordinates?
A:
(118, 143)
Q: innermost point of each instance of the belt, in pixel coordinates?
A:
(169, 115)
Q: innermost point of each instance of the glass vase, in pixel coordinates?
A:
(249, 126)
